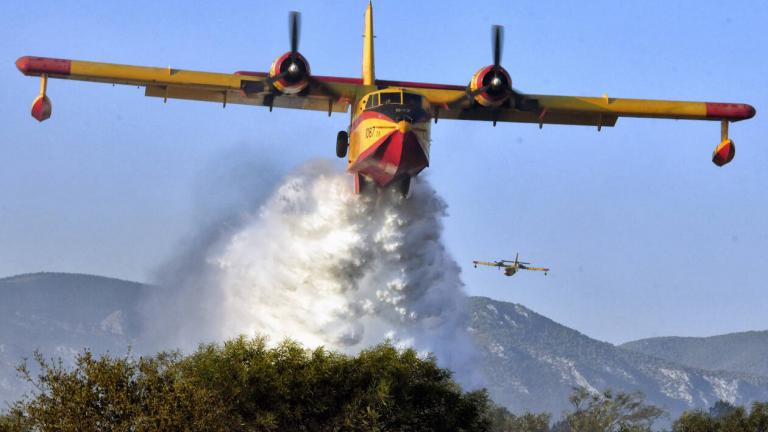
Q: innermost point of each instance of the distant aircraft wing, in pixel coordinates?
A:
(329, 94)
(455, 103)
(485, 263)
(537, 269)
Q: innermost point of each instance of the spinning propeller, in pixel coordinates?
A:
(496, 83)
(491, 85)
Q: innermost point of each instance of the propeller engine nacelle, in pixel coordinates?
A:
(491, 86)
(289, 73)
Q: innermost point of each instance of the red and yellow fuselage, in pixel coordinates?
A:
(389, 136)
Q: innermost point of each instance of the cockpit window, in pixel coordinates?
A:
(373, 101)
(391, 98)
(412, 100)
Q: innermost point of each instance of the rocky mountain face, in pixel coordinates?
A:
(532, 363)
(745, 352)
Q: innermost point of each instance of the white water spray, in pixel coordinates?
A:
(322, 266)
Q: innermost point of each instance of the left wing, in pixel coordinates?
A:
(330, 94)
(544, 269)
(460, 103)
(454, 103)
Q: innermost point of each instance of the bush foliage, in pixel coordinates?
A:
(725, 417)
(245, 385)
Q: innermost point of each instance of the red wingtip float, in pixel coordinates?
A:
(726, 150)
(43, 67)
(41, 108)
(388, 138)
(724, 153)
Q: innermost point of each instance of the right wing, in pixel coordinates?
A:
(329, 94)
(485, 263)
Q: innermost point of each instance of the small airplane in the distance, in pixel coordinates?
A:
(388, 139)
(511, 267)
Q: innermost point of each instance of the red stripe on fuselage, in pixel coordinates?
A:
(341, 80)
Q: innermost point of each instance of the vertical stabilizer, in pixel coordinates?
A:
(368, 74)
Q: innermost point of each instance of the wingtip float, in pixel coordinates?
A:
(379, 148)
(44, 68)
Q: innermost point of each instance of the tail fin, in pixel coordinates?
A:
(368, 73)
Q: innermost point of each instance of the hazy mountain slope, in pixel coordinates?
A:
(60, 314)
(533, 362)
(745, 352)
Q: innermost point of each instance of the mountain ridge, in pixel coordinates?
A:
(733, 352)
(532, 362)
(539, 357)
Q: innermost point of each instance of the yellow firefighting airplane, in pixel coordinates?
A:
(388, 141)
(511, 267)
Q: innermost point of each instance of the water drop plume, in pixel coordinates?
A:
(315, 263)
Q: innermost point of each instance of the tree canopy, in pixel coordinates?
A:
(724, 417)
(607, 412)
(246, 385)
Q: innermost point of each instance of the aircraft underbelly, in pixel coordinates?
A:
(395, 155)
(386, 149)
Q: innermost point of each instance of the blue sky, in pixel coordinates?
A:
(644, 235)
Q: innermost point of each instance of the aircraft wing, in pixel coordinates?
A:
(537, 269)
(485, 263)
(454, 103)
(329, 94)
(334, 94)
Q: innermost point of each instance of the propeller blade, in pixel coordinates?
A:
(498, 40)
(294, 25)
(467, 96)
(264, 86)
(269, 81)
(482, 89)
